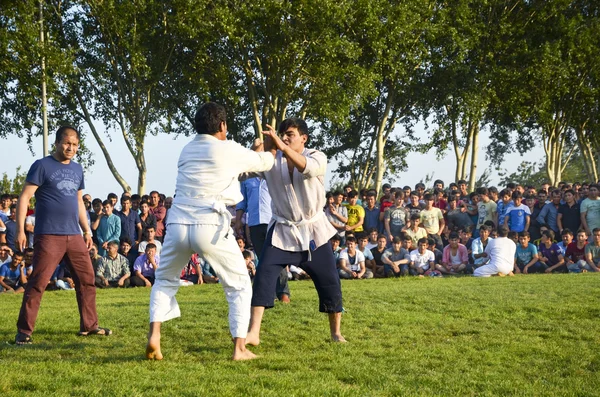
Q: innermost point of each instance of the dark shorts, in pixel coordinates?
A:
(321, 269)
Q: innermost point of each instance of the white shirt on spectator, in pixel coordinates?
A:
(422, 260)
(359, 257)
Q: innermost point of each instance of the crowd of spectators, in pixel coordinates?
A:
(420, 232)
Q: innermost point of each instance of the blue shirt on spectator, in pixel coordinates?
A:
(517, 217)
(129, 224)
(11, 233)
(10, 274)
(372, 219)
(56, 199)
(501, 209)
(256, 202)
(525, 255)
(548, 216)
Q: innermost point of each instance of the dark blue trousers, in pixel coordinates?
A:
(321, 269)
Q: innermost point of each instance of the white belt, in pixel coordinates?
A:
(303, 237)
(214, 203)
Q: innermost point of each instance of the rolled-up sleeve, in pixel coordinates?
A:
(316, 164)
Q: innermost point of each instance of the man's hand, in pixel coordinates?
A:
(21, 241)
(525, 270)
(549, 270)
(200, 280)
(87, 238)
(275, 142)
(9, 290)
(69, 281)
(105, 245)
(148, 284)
(239, 227)
(354, 275)
(106, 282)
(120, 282)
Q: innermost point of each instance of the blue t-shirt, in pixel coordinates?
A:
(524, 255)
(517, 217)
(56, 203)
(8, 273)
(501, 209)
(11, 233)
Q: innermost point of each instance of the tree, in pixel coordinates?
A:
(14, 185)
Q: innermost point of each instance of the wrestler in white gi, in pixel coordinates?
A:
(501, 252)
(207, 182)
(299, 232)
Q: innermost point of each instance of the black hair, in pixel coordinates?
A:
(209, 117)
(63, 130)
(294, 122)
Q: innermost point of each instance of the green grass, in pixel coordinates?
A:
(525, 335)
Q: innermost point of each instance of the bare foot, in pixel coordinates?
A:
(285, 299)
(240, 355)
(153, 348)
(511, 274)
(252, 339)
(338, 338)
(500, 274)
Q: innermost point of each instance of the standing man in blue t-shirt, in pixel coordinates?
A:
(57, 183)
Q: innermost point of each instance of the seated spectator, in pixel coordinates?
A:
(455, 256)
(416, 232)
(13, 275)
(466, 238)
(296, 273)
(61, 279)
(28, 259)
(150, 238)
(550, 253)
(125, 250)
(377, 256)
(335, 241)
(407, 242)
(144, 267)
(373, 236)
(241, 241)
(113, 269)
(575, 254)
(518, 216)
(362, 241)
(566, 237)
(526, 256)
(208, 273)
(592, 250)
(396, 260)
(107, 226)
(192, 272)
(422, 261)
(352, 262)
(501, 252)
(95, 258)
(437, 254)
(249, 264)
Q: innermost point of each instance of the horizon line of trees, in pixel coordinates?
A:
(363, 73)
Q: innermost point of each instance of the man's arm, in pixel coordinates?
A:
(584, 224)
(542, 216)
(342, 263)
(357, 225)
(590, 260)
(527, 222)
(22, 204)
(561, 261)
(534, 259)
(559, 217)
(362, 269)
(4, 285)
(442, 224)
(83, 221)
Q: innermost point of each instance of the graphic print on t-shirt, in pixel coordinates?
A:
(69, 181)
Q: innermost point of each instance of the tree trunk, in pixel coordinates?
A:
(474, 156)
(587, 154)
(380, 144)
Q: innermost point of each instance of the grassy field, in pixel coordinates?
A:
(525, 335)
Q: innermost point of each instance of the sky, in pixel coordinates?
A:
(162, 152)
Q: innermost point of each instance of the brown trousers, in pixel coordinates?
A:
(48, 251)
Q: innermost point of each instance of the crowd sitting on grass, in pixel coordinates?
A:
(437, 232)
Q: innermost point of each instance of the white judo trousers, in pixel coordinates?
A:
(501, 251)
(217, 245)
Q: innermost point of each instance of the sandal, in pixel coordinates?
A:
(23, 339)
(98, 331)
